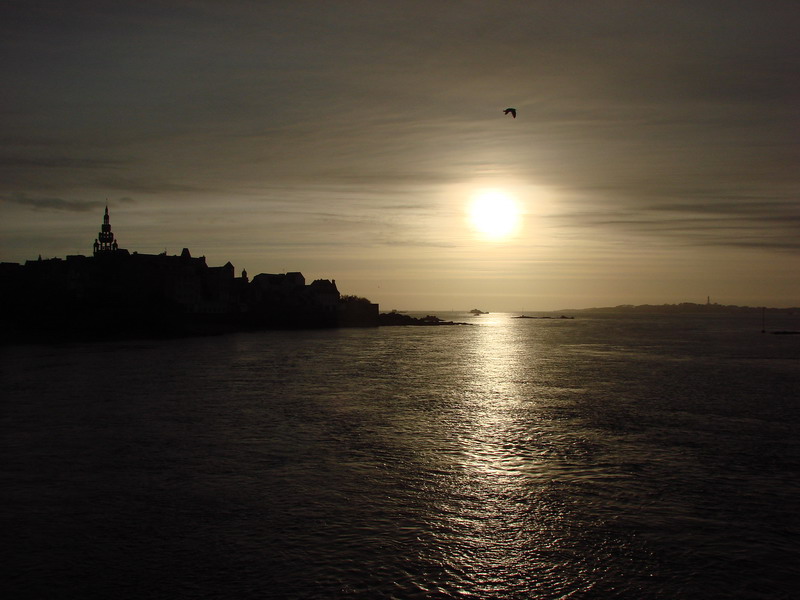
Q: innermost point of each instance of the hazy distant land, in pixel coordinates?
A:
(682, 308)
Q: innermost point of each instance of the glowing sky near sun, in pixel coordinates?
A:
(494, 213)
(653, 158)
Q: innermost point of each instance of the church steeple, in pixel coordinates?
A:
(105, 241)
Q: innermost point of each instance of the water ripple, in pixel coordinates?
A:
(517, 460)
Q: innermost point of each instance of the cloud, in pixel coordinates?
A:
(57, 204)
(148, 185)
(731, 222)
(47, 162)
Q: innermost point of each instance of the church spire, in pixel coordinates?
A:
(105, 241)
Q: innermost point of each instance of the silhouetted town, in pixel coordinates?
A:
(118, 293)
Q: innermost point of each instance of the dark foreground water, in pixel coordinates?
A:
(608, 457)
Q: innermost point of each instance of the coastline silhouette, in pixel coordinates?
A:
(119, 293)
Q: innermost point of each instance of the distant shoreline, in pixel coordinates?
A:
(682, 308)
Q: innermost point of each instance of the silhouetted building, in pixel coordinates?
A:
(120, 293)
(105, 241)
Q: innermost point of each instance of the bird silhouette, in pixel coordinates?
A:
(513, 112)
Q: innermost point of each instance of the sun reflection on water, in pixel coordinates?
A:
(496, 524)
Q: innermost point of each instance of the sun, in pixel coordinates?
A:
(494, 213)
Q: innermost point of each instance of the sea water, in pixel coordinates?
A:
(608, 456)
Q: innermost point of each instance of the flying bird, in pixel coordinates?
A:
(513, 112)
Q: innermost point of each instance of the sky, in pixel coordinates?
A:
(654, 156)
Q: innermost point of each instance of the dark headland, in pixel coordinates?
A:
(119, 294)
(115, 293)
(397, 318)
